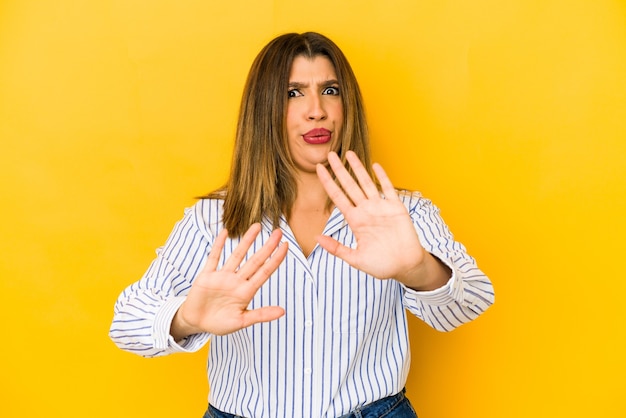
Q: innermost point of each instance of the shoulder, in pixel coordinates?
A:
(206, 214)
(416, 203)
(410, 198)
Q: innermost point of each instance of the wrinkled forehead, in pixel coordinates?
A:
(318, 68)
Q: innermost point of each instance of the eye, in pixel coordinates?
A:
(294, 93)
(332, 91)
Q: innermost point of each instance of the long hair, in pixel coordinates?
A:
(262, 177)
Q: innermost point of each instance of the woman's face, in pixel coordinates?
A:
(314, 111)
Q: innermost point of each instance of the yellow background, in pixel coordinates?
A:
(510, 115)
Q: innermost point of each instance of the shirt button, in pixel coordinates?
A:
(308, 323)
(308, 370)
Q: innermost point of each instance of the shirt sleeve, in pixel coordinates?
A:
(467, 294)
(144, 311)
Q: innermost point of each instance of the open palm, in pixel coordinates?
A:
(218, 300)
(387, 244)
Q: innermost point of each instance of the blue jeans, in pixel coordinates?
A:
(396, 406)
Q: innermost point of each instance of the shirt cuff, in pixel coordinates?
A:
(161, 330)
(450, 292)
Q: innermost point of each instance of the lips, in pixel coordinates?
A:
(317, 136)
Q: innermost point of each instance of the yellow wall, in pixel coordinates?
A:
(511, 115)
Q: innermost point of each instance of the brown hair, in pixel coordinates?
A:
(262, 176)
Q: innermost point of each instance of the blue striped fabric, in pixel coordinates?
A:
(343, 341)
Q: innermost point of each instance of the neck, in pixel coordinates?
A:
(311, 195)
(309, 213)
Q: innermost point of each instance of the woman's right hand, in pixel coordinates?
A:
(218, 300)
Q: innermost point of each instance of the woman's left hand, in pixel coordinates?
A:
(387, 243)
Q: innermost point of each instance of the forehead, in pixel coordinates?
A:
(317, 68)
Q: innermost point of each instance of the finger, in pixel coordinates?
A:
(260, 257)
(365, 181)
(264, 314)
(263, 273)
(385, 183)
(216, 252)
(234, 261)
(348, 183)
(334, 192)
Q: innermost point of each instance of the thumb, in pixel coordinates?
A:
(335, 248)
(264, 314)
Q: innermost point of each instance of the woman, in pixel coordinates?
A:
(301, 268)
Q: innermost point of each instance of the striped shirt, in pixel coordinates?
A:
(343, 341)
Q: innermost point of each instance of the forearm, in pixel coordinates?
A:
(457, 290)
(135, 320)
(465, 296)
(142, 324)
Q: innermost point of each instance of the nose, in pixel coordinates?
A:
(316, 110)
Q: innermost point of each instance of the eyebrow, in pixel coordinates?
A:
(298, 85)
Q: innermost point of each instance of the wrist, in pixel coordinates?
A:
(430, 274)
(180, 329)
